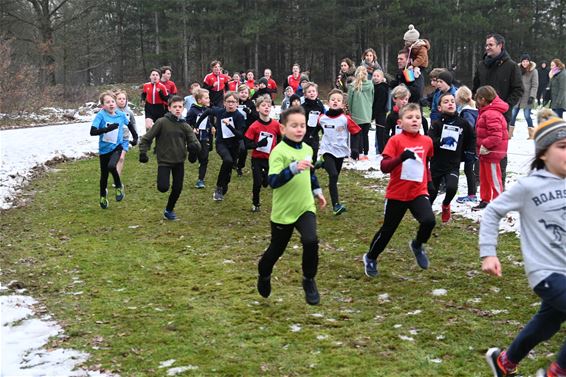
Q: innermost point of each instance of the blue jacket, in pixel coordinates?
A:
(109, 141)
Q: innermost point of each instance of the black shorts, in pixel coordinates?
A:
(154, 112)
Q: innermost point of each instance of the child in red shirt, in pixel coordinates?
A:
(262, 137)
(166, 73)
(406, 157)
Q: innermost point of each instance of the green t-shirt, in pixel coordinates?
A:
(295, 197)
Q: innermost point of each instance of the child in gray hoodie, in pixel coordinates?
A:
(540, 198)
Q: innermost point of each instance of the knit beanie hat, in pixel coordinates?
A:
(525, 56)
(263, 81)
(412, 34)
(548, 132)
(446, 76)
(293, 98)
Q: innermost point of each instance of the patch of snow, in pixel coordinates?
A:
(179, 370)
(295, 327)
(439, 292)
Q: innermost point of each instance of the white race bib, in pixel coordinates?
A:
(313, 118)
(112, 136)
(226, 132)
(449, 137)
(265, 148)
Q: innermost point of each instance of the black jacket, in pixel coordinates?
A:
(446, 160)
(504, 75)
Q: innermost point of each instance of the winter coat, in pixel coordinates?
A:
(342, 79)
(558, 90)
(543, 77)
(504, 75)
(360, 102)
(529, 77)
(419, 53)
(491, 131)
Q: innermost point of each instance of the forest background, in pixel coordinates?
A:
(62, 47)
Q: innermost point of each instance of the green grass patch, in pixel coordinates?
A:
(135, 290)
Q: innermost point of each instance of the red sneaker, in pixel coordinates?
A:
(445, 213)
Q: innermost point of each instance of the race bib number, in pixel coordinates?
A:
(313, 118)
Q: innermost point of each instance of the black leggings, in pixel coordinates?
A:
(471, 177)
(260, 168)
(380, 131)
(242, 155)
(280, 236)
(108, 164)
(451, 181)
(333, 166)
(228, 153)
(164, 172)
(421, 210)
(364, 139)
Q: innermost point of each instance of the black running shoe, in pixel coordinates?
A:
(311, 292)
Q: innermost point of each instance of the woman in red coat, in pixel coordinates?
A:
(491, 143)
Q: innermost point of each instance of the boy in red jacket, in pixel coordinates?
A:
(406, 157)
(491, 143)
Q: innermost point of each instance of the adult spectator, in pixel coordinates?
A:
(346, 74)
(502, 73)
(557, 87)
(414, 89)
(543, 72)
(216, 82)
(529, 76)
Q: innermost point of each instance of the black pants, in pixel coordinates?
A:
(280, 236)
(421, 210)
(164, 172)
(503, 165)
(451, 181)
(333, 166)
(203, 158)
(471, 178)
(380, 131)
(364, 139)
(260, 168)
(242, 155)
(108, 164)
(228, 152)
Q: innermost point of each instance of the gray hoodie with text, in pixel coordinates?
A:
(540, 199)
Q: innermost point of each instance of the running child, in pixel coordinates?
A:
(451, 136)
(339, 131)
(539, 199)
(204, 134)
(286, 102)
(262, 137)
(271, 84)
(247, 108)
(291, 175)
(230, 127)
(166, 73)
(400, 96)
(122, 103)
(216, 82)
(491, 143)
(235, 82)
(313, 108)
(109, 125)
(190, 99)
(406, 157)
(174, 139)
(469, 112)
(154, 96)
(443, 85)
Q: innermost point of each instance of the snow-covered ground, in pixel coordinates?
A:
(25, 329)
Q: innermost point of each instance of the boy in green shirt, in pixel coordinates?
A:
(291, 175)
(175, 138)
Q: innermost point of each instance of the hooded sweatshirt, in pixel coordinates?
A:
(491, 131)
(540, 199)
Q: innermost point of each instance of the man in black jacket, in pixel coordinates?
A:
(543, 80)
(500, 71)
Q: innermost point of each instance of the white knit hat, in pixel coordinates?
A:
(412, 34)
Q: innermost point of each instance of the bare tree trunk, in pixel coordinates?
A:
(156, 19)
(142, 50)
(185, 48)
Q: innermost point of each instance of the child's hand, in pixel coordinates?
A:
(484, 150)
(491, 265)
(321, 201)
(304, 164)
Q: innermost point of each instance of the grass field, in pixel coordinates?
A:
(134, 290)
